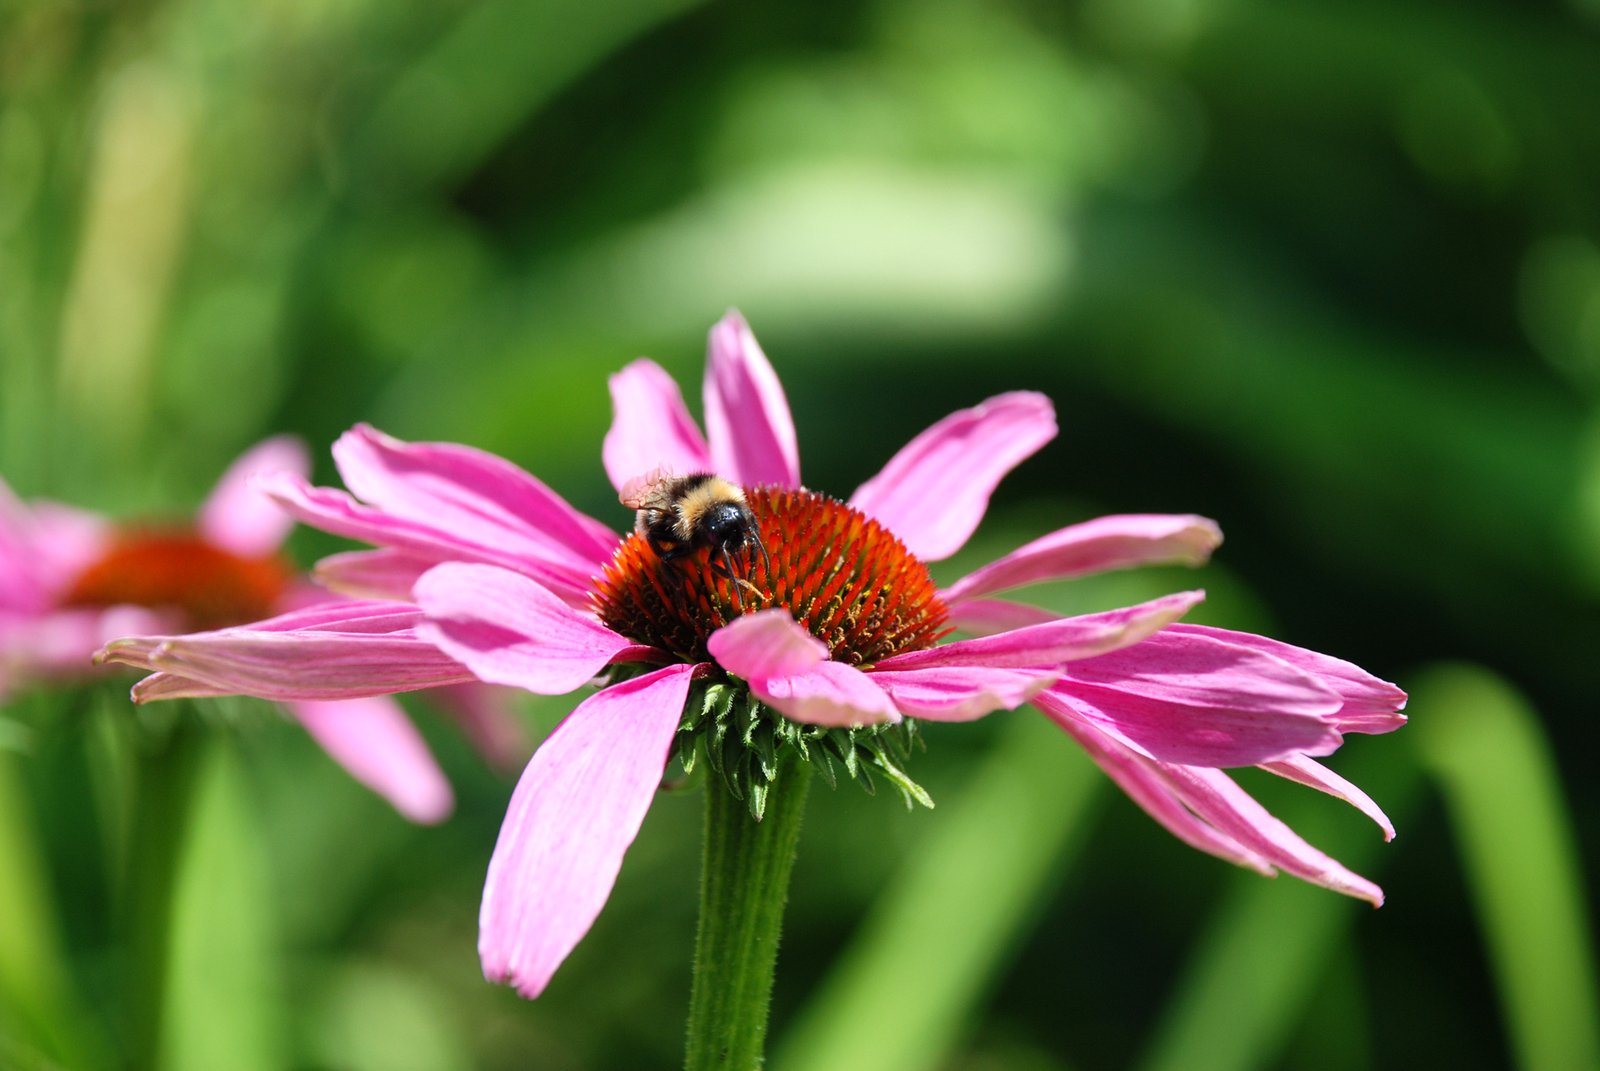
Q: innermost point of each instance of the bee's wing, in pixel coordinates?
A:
(637, 491)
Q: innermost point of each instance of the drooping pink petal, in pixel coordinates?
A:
(159, 686)
(933, 493)
(1370, 705)
(477, 495)
(1310, 772)
(335, 511)
(1215, 798)
(1053, 643)
(336, 650)
(485, 714)
(373, 574)
(650, 427)
(747, 415)
(1206, 809)
(1201, 701)
(237, 516)
(576, 809)
(788, 669)
(509, 630)
(985, 617)
(1140, 777)
(767, 643)
(960, 693)
(1096, 546)
(377, 745)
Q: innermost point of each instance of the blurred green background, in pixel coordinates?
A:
(1329, 274)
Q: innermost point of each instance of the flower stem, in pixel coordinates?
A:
(744, 884)
(167, 768)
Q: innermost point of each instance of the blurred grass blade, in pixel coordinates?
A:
(1485, 745)
(988, 864)
(1264, 956)
(39, 1024)
(485, 77)
(224, 1000)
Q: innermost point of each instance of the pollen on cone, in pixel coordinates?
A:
(845, 578)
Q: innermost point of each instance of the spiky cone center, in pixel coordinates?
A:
(843, 576)
(176, 569)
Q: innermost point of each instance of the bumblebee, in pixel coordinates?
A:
(679, 514)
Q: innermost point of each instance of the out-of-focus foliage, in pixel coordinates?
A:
(1327, 273)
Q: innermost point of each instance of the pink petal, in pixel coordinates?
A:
(373, 574)
(328, 651)
(650, 427)
(509, 630)
(43, 547)
(1199, 701)
(985, 617)
(1310, 772)
(1094, 547)
(335, 511)
(747, 416)
(575, 811)
(1212, 796)
(21, 589)
(159, 686)
(933, 493)
(788, 669)
(377, 744)
(237, 516)
(1197, 736)
(960, 693)
(767, 643)
(1205, 809)
(1370, 705)
(474, 494)
(830, 693)
(1053, 643)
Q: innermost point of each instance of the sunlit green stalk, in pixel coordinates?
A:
(744, 885)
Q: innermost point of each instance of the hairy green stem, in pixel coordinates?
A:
(744, 885)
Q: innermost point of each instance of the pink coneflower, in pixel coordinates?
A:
(71, 580)
(830, 646)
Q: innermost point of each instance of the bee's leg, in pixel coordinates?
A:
(723, 567)
(766, 562)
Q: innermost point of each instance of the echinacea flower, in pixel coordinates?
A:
(70, 581)
(832, 644)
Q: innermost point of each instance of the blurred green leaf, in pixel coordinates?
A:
(224, 994)
(954, 914)
(1484, 744)
(1256, 972)
(41, 1025)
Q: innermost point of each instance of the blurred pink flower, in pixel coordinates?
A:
(842, 630)
(70, 581)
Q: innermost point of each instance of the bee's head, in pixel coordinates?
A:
(730, 525)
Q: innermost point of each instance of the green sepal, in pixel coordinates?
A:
(744, 743)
